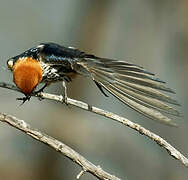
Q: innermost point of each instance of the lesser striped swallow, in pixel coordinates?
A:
(130, 83)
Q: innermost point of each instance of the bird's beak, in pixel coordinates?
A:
(10, 64)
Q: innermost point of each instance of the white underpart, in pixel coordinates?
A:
(48, 71)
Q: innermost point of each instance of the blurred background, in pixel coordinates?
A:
(151, 33)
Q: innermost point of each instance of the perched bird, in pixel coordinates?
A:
(130, 83)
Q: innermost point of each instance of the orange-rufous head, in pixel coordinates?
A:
(27, 73)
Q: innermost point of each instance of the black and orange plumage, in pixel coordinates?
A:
(27, 74)
(130, 83)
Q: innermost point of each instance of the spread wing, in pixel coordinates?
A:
(133, 85)
(130, 83)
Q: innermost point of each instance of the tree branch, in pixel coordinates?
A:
(58, 146)
(163, 143)
(159, 140)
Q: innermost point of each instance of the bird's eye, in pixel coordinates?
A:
(10, 63)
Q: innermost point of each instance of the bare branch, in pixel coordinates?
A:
(58, 146)
(163, 143)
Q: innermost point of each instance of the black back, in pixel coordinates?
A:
(50, 49)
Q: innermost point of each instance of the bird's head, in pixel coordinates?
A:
(26, 68)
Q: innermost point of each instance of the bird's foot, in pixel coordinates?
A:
(24, 99)
(38, 94)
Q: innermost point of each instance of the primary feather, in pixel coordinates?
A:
(131, 84)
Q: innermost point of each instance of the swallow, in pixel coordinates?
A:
(130, 83)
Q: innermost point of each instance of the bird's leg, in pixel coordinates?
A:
(28, 97)
(24, 99)
(64, 93)
(41, 89)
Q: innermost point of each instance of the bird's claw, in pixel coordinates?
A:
(38, 94)
(24, 99)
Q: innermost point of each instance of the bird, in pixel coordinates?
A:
(130, 83)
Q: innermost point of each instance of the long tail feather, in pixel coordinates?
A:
(134, 86)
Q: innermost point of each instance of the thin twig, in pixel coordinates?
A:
(163, 143)
(58, 146)
(159, 140)
(81, 173)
